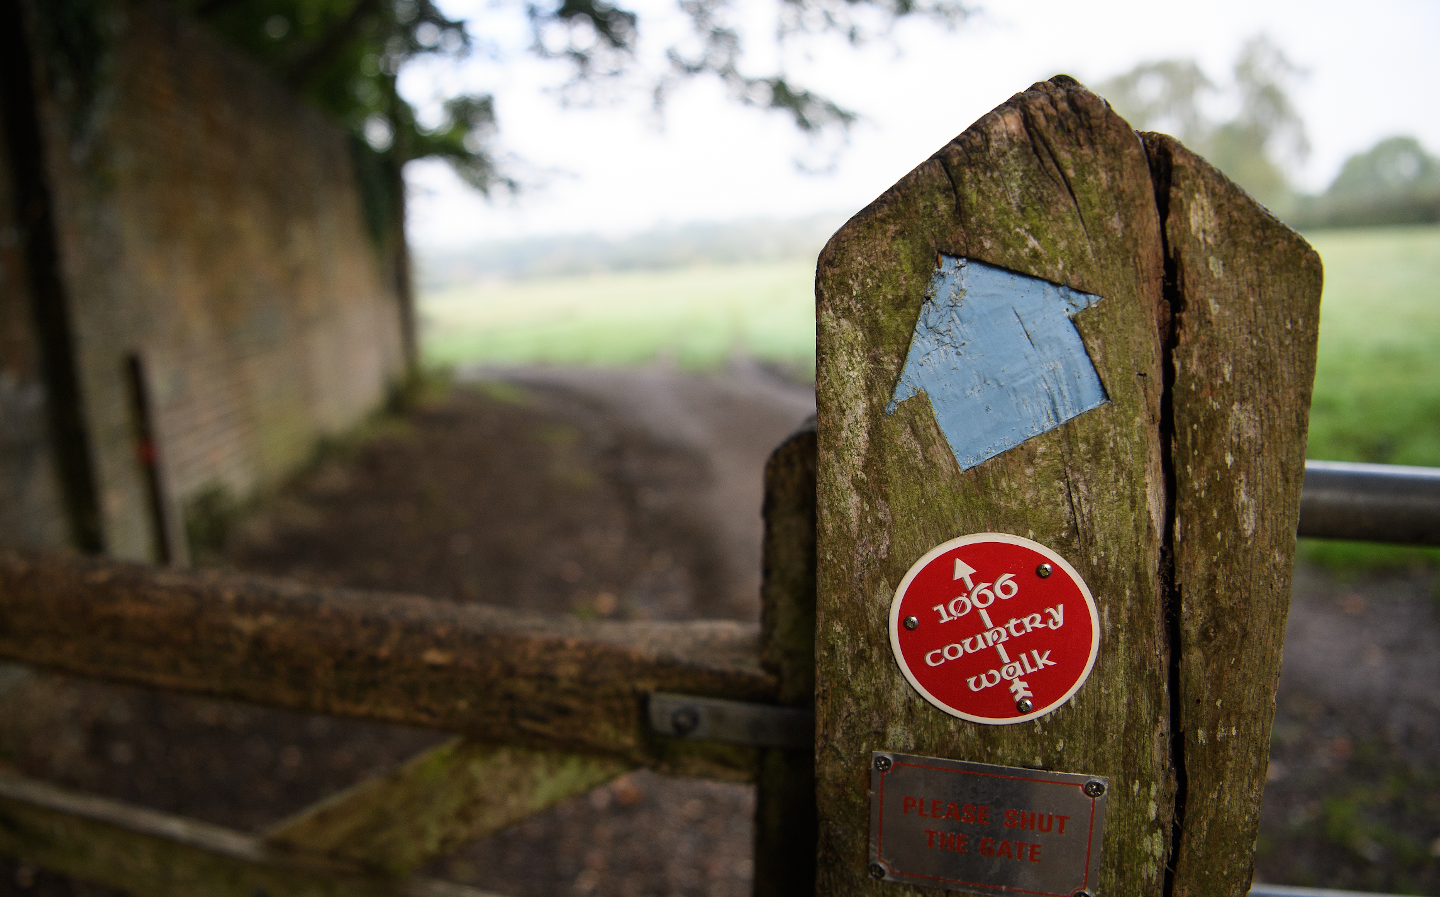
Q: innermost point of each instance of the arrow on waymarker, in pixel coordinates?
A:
(964, 571)
(998, 355)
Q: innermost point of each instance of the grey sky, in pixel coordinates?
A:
(611, 169)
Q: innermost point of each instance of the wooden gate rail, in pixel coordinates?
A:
(547, 709)
(496, 675)
(158, 854)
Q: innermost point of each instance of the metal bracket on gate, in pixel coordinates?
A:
(733, 722)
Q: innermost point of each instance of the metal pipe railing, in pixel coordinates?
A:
(1282, 891)
(1371, 502)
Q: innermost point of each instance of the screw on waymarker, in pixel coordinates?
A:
(912, 622)
(882, 763)
(685, 720)
(1044, 570)
(1094, 789)
(877, 870)
(1081, 894)
(1024, 706)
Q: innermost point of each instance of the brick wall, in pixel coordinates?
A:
(209, 224)
(32, 512)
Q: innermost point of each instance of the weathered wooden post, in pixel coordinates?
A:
(785, 796)
(1089, 353)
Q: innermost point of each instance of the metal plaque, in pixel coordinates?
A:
(985, 829)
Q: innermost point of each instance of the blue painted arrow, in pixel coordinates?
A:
(999, 357)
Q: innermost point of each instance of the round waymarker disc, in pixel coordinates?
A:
(994, 628)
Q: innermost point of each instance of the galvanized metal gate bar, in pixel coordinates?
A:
(1371, 503)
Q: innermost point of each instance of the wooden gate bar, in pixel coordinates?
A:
(147, 852)
(440, 801)
(500, 676)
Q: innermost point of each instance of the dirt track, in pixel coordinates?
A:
(636, 494)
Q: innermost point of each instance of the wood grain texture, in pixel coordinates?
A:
(785, 822)
(439, 801)
(1246, 307)
(1054, 185)
(145, 852)
(500, 676)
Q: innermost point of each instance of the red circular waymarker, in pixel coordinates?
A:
(994, 628)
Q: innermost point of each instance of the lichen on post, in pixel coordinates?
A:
(1051, 188)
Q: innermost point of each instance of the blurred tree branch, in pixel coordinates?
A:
(345, 55)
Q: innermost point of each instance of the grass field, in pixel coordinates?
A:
(1377, 389)
(1377, 386)
(697, 317)
(1377, 379)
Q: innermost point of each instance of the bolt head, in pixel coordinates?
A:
(1081, 894)
(1024, 705)
(912, 622)
(882, 763)
(1044, 570)
(877, 870)
(1094, 789)
(685, 720)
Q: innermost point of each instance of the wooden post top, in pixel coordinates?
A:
(1058, 330)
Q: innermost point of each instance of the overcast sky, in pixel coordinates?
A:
(613, 170)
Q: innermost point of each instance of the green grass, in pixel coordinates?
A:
(1377, 378)
(1377, 382)
(698, 317)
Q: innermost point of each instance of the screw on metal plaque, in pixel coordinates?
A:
(882, 763)
(1024, 705)
(1081, 894)
(1094, 789)
(1044, 570)
(685, 720)
(877, 870)
(911, 622)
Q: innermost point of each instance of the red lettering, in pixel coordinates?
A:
(921, 811)
(1049, 821)
(1010, 818)
(960, 843)
(1034, 853)
(987, 847)
(935, 811)
(1027, 820)
(1004, 850)
(909, 805)
(952, 811)
(930, 838)
(1062, 823)
(985, 815)
(968, 814)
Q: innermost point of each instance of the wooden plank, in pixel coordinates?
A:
(155, 854)
(500, 676)
(439, 801)
(1246, 311)
(785, 823)
(1054, 185)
